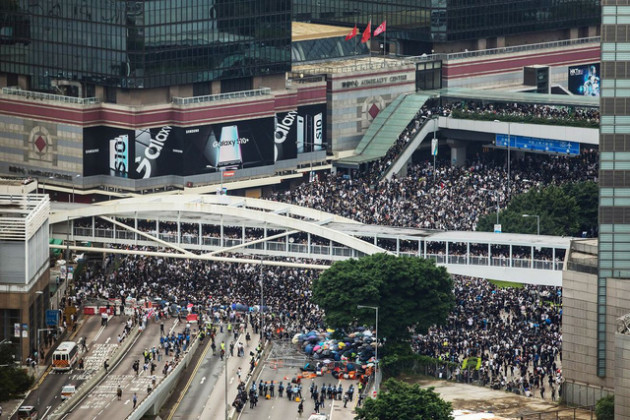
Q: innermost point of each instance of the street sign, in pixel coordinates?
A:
(434, 147)
(52, 317)
(227, 174)
(497, 228)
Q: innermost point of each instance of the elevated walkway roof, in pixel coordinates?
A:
(520, 97)
(385, 129)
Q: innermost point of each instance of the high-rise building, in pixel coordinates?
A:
(596, 286)
(152, 94)
(416, 27)
(73, 46)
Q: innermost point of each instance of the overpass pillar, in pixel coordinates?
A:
(458, 152)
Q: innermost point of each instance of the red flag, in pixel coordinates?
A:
(366, 33)
(352, 33)
(381, 28)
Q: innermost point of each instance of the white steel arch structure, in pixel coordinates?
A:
(277, 215)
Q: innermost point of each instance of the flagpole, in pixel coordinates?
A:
(355, 41)
(385, 43)
(369, 43)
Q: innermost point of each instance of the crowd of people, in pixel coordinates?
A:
(454, 199)
(515, 331)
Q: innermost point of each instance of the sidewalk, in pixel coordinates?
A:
(9, 408)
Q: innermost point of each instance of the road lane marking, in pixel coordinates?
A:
(192, 376)
(203, 380)
(100, 331)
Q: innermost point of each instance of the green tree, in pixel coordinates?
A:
(400, 400)
(13, 381)
(566, 210)
(586, 196)
(410, 292)
(605, 408)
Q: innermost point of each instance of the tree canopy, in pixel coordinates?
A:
(605, 408)
(568, 210)
(404, 401)
(410, 292)
(13, 380)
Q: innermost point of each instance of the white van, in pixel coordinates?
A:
(68, 391)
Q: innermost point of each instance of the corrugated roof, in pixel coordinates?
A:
(385, 129)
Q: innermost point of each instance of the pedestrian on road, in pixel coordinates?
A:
(300, 408)
(105, 365)
(135, 400)
(317, 407)
(119, 393)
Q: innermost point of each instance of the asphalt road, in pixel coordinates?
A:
(101, 402)
(285, 409)
(47, 396)
(207, 374)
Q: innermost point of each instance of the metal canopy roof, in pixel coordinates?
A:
(385, 129)
(521, 97)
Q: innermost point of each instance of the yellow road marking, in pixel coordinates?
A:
(194, 373)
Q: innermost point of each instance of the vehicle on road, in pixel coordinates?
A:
(27, 412)
(68, 391)
(66, 355)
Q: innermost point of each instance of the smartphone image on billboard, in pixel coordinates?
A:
(300, 134)
(318, 131)
(230, 148)
(119, 156)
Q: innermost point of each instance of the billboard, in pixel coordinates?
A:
(299, 131)
(170, 150)
(107, 151)
(584, 79)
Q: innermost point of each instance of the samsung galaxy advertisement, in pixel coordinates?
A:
(584, 80)
(300, 131)
(184, 151)
(171, 150)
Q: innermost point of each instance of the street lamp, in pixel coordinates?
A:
(496, 199)
(537, 221)
(226, 384)
(434, 145)
(76, 176)
(39, 293)
(262, 313)
(375, 351)
(508, 158)
(221, 170)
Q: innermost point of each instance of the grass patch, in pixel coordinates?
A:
(505, 284)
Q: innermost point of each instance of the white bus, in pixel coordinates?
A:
(65, 356)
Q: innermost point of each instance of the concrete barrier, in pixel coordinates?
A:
(248, 382)
(155, 400)
(87, 386)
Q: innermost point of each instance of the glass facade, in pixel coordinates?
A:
(144, 44)
(614, 146)
(452, 20)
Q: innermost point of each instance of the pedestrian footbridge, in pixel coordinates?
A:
(247, 230)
